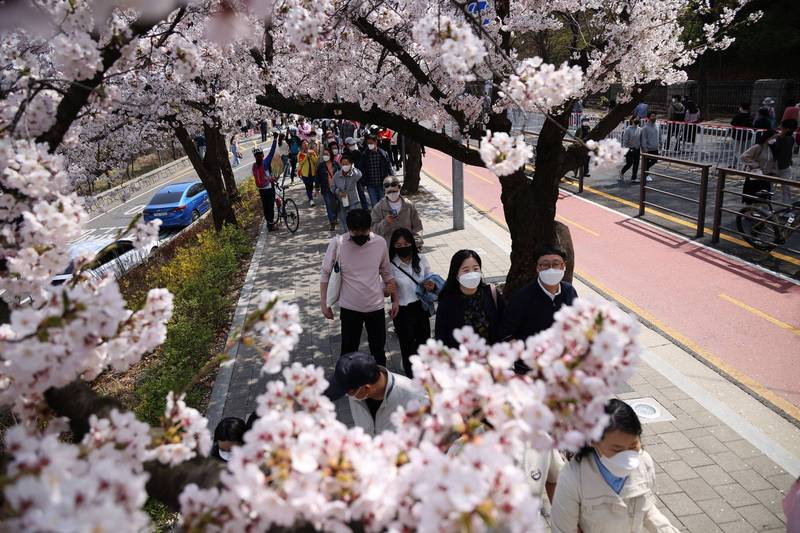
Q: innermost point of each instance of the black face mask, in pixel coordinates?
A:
(404, 252)
(359, 239)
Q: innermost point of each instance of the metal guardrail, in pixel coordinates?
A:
(645, 169)
(778, 223)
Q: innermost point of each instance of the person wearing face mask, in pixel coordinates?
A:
(373, 392)
(533, 306)
(411, 271)
(326, 170)
(782, 147)
(345, 190)
(758, 159)
(307, 169)
(363, 261)
(353, 153)
(609, 487)
(228, 433)
(334, 148)
(375, 166)
(466, 300)
(394, 211)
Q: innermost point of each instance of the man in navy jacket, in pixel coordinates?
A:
(532, 308)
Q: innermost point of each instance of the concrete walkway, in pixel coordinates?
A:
(723, 459)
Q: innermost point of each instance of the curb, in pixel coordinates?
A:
(219, 393)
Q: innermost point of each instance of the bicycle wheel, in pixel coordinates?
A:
(277, 213)
(754, 224)
(291, 215)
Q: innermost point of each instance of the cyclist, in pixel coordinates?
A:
(262, 174)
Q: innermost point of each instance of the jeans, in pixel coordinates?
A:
(374, 322)
(361, 196)
(293, 163)
(201, 150)
(309, 183)
(375, 194)
(343, 216)
(413, 327)
(631, 160)
(268, 205)
(330, 205)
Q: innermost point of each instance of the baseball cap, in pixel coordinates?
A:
(353, 370)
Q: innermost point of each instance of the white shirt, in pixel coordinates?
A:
(406, 288)
(550, 294)
(395, 205)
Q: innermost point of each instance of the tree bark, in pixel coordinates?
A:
(209, 173)
(412, 165)
(225, 166)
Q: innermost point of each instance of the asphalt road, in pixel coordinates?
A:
(115, 219)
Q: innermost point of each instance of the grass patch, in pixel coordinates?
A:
(204, 269)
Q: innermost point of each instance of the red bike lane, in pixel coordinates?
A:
(741, 319)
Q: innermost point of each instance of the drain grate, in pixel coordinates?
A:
(649, 410)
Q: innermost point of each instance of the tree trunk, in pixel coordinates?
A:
(225, 166)
(412, 165)
(209, 173)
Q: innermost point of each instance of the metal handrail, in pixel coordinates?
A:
(700, 218)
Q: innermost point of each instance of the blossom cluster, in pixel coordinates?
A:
(185, 433)
(274, 330)
(540, 86)
(606, 153)
(582, 359)
(453, 43)
(504, 154)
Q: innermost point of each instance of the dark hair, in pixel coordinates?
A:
(548, 249)
(251, 419)
(651, 115)
(763, 136)
(621, 417)
(230, 429)
(281, 138)
(791, 102)
(344, 156)
(327, 149)
(691, 107)
(372, 137)
(789, 124)
(409, 237)
(763, 111)
(745, 107)
(451, 285)
(358, 219)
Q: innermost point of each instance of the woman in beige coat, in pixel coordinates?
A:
(393, 212)
(609, 487)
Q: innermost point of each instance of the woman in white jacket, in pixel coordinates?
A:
(609, 487)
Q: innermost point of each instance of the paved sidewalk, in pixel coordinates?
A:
(717, 471)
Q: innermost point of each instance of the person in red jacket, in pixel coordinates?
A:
(264, 181)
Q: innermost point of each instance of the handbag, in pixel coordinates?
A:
(335, 281)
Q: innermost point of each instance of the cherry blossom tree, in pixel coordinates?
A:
(452, 462)
(408, 66)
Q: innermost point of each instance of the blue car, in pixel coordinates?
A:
(178, 204)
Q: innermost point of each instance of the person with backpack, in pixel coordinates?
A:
(262, 174)
(467, 300)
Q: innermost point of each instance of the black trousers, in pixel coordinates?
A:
(375, 322)
(650, 162)
(632, 160)
(268, 204)
(264, 136)
(413, 327)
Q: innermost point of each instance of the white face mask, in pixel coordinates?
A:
(336, 151)
(393, 196)
(372, 146)
(225, 456)
(326, 158)
(346, 168)
(470, 280)
(772, 141)
(551, 276)
(622, 463)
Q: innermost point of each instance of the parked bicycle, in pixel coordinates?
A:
(285, 208)
(765, 227)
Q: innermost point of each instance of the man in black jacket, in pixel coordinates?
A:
(533, 306)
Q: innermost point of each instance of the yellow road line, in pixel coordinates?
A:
(701, 353)
(761, 314)
(579, 226)
(680, 221)
(781, 403)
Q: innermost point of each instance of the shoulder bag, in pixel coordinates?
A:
(335, 281)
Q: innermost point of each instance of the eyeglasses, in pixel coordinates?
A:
(554, 264)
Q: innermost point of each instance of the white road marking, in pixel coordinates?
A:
(135, 210)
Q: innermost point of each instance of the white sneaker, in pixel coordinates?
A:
(648, 178)
(311, 203)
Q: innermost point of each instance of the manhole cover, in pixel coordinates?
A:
(649, 410)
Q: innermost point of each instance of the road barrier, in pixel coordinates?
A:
(646, 169)
(765, 223)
